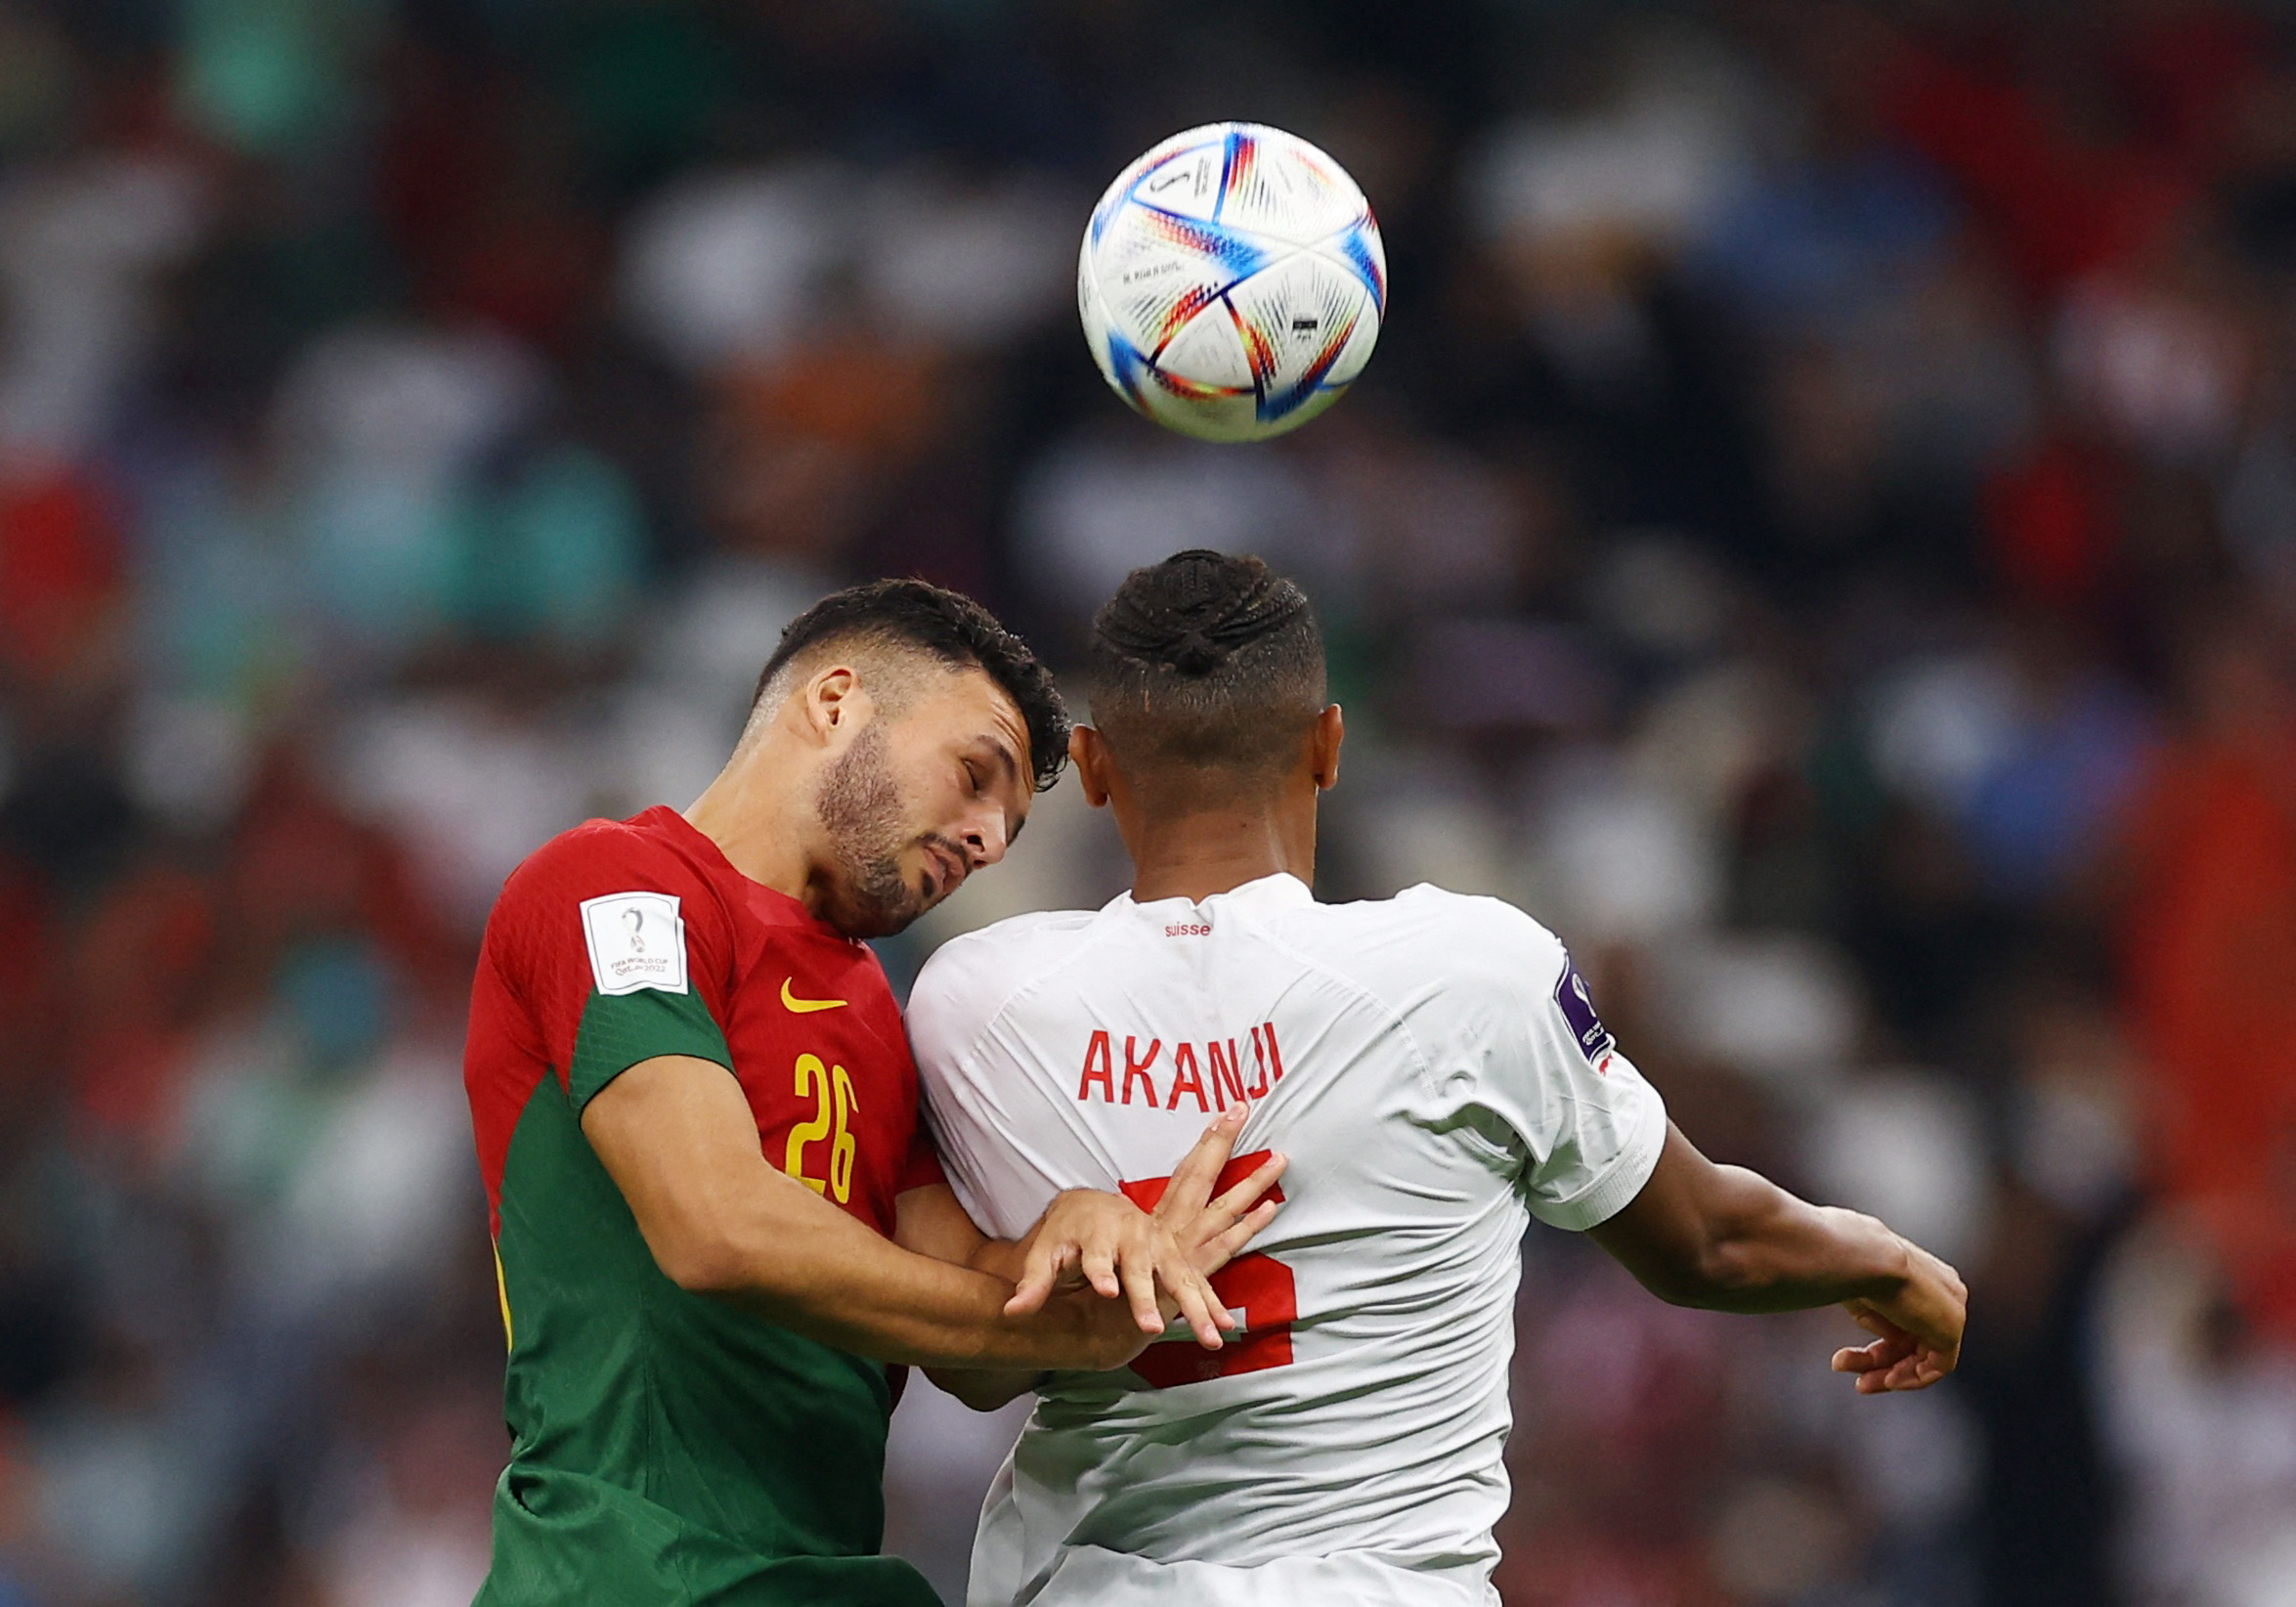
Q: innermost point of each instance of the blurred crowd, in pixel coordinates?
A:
(1819, 532)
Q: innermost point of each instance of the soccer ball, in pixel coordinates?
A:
(1232, 283)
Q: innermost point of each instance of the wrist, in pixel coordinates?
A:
(1001, 1258)
(1078, 1210)
(1096, 1333)
(1072, 1216)
(1891, 1262)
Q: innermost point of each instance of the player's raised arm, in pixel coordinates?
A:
(679, 1139)
(1729, 1239)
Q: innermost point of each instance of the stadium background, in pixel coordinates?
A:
(1820, 531)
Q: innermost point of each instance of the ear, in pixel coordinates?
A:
(1330, 729)
(1088, 750)
(833, 703)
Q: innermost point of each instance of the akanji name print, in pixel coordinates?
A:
(1213, 1074)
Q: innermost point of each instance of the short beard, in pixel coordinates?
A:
(860, 808)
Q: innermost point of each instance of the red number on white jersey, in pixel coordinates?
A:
(1259, 1286)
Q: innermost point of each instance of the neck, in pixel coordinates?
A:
(1199, 852)
(757, 815)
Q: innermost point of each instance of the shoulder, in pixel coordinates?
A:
(1004, 947)
(585, 875)
(971, 979)
(1428, 936)
(603, 856)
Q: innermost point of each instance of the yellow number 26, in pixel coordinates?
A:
(827, 1086)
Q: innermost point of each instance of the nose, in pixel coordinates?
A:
(984, 840)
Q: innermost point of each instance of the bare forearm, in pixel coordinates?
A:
(819, 1273)
(1772, 1252)
(1729, 1239)
(1000, 1258)
(987, 1389)
(924, 1323)
(859, 1294)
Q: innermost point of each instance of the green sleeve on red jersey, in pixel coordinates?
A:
(616, 948)
(619, 1029)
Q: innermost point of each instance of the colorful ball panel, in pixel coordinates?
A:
(1232, 283)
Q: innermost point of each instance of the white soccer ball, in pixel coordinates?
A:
(1232, 283)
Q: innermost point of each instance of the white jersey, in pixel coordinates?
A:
(1433, 1069)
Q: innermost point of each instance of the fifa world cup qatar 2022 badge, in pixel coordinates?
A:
(1578, 1007)
(636, 939)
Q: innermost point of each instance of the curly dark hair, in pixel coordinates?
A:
(1206, 661)
(947, 626)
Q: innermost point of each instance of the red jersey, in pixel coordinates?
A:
(621, 940)
(671, 1448)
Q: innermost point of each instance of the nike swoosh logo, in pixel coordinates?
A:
(806, 1006)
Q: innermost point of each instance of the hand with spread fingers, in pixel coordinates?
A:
(1212, 1229)
(1159, 1262)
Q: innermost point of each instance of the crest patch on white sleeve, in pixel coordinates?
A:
(636, 939)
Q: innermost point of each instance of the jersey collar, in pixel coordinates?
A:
(1282, 891)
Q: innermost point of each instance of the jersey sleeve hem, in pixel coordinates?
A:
(619, 1029)
(1614, 1189)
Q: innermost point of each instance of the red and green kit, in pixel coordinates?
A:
(667, 1448)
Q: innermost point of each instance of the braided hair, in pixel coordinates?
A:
(1206, 661)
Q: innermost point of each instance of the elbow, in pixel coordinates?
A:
(1717, 1276)
(700, 1263)
(1727, 1277)
(982, 1391)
